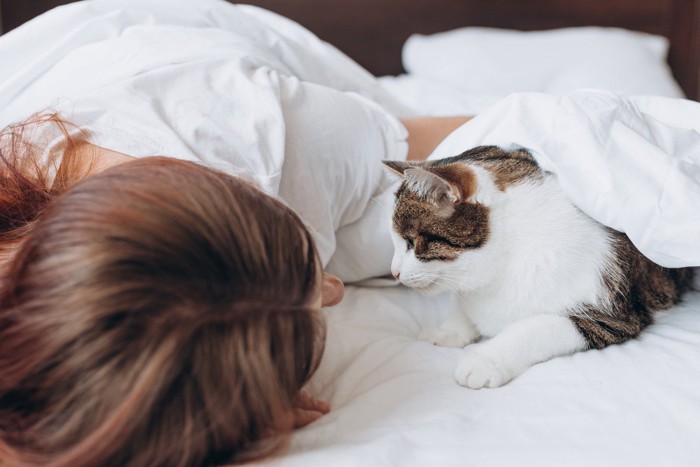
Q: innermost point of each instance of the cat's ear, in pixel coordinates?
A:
(431, 187)
(399, 167)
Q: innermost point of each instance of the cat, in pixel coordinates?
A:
(536, 277)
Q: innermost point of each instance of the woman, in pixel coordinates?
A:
(159, 310)
(153, 313)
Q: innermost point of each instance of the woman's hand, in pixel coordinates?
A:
(307, 409)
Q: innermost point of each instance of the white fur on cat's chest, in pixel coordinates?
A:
(492, 312)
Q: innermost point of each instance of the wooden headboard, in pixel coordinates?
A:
(373, 31)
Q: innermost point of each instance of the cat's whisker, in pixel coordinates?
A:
(457, 282)
(453, 288)
(382, 200)
(451, 283)
(381, 197)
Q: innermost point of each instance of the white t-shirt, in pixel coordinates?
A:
(233, 87)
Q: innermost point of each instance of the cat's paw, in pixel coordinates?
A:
(477, 371)
(446, 337)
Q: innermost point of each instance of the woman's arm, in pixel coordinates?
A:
(425, 133)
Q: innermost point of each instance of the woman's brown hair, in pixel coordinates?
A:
(155, 313)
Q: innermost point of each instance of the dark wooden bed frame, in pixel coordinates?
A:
(373, 31)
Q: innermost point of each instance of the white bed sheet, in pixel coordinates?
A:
(395, 402)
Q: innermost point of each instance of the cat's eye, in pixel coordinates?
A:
(409, 244)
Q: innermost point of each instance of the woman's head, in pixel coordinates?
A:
(156, 313)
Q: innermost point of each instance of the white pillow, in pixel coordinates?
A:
(501, 61)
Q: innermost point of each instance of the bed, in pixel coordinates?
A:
(394, 398)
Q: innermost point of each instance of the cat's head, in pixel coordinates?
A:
(442, 225)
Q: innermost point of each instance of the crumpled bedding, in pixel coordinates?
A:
(234, 87)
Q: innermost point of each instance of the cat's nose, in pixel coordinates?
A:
(397, 275)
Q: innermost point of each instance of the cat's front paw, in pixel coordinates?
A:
(477, 371)
(446, 337)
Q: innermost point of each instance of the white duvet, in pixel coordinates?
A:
(632, 163)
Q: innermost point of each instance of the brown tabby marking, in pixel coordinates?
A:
(437, 236)
(636, 290)
(434, 236)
